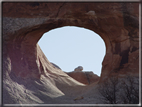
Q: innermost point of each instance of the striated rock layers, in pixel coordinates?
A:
(84, 77)
(28, 77)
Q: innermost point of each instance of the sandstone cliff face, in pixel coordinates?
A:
(84, 77)
(25, 23)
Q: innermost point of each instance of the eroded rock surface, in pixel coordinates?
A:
(28, 77)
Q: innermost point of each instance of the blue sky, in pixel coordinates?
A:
(70, 47)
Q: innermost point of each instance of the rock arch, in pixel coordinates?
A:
(25, 23)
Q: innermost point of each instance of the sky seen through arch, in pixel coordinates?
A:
(70, 47)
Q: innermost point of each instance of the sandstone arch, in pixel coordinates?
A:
(25, 23)
(26, 69)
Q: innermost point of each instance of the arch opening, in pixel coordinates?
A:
(71, 46)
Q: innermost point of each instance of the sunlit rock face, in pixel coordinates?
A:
(23, 60)
(85, 77)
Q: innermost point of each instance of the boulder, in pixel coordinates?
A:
(79, 68)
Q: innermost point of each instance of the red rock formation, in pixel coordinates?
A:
(84, 77)
(25, 23)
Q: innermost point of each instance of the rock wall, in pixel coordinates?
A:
(25, 23)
